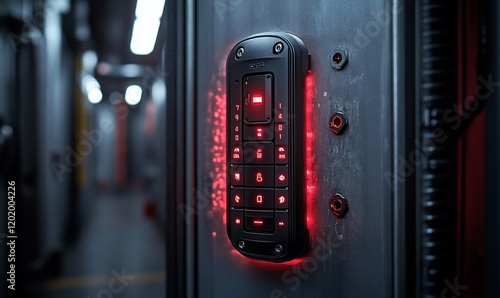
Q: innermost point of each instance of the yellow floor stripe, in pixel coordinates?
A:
(94, 281)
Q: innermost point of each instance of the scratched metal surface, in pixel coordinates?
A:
(350, 257)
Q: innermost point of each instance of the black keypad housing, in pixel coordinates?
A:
(266, 171)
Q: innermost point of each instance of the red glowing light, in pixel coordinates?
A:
(257, 100)
(281, 223)
(237, 221)
(281, 200)
(259, 154)
(237, 176)
(216, 129)
(258, 177)
(258, 222)
(281, 153)
(259, 199)
(282, 177)
(236, 153)
(309, 139)
(237, 199)
(259, 132)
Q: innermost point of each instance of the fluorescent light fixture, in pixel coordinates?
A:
(149, 9)
(95, 95)
(91, 87)
(133, 95)
(90, 83)
(144, 36)
(147, 23)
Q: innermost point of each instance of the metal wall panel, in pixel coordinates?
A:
(349, 257)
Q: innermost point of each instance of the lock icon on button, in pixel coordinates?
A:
(259, 153)
(259, 177)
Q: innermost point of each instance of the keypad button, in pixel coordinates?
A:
(258, 132)
(281, 133)
(259, 153)
(281, 176)
(259, 221)
(260, 198)
(281, 198)
(236, 125)
(259, 176)
(281, 154)
(237, 154)
(257, 92)
(236, 173)
(237, 219)
(281, 221)
(237, 199)
(281, 111)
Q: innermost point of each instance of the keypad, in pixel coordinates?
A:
(259, 157)
(267, 103)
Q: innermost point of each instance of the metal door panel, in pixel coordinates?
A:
(349, 257)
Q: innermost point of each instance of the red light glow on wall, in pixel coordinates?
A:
(217, 125)
(310, 173)
(216, 128)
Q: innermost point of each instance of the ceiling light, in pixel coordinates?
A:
(147, 23)
(150, 9)
(133, 95)
(95, 95)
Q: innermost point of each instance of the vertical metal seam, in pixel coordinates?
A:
(437, 85)
(190, 146)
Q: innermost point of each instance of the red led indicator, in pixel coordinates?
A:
(259, 132)
(258, 222)
(282, 200)
(237, 176)
(259, 154)
(282, 177)
(236, 153)
(237, 221)
(281, 223)
(259, 199)
(258, 177)
(281, 153)
(280, 127)
(257, 100)
(237, 199)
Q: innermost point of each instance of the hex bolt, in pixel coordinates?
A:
(339, 58)
(278, 48)
(241, 244)
(278, 249)
(338, 123)
(240, 52)
(339, 205)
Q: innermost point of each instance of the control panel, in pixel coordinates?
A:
(266, 146)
